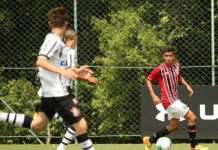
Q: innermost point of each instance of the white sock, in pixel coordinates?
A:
(87, 145)
(16, 119)
(69, 136)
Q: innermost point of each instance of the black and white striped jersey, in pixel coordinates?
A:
(53, 84)
(71, 57)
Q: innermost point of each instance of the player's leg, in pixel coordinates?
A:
(39, 122)
(192, 130)
(173, 116)
(191, 119)
(44, 112)
(69, 136)
(171, 127)
(71, 115)
(20, 120)
(82, 135)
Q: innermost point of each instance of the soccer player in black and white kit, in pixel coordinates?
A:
(70, 39)
(54, 77)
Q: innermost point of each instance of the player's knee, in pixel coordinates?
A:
(193, 118)
(36, 127)
(173, 127)
(81, 126)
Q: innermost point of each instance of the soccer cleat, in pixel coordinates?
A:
(199, 147)
(147, 143)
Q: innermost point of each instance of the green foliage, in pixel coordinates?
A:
(126, 39)
(112, 33)
(20, 95)
(127, 36)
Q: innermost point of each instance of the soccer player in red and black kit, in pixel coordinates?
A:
(168, 76)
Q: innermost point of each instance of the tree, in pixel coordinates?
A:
(125, 40)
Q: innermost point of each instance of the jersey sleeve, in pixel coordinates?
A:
(154, 74)
(49, 47)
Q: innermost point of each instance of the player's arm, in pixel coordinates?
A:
(43, 62)
(188, 87)
(47, 50)
(151, 77)
(82, 73)
(155, 98)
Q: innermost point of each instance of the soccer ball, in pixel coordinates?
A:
(163, 143)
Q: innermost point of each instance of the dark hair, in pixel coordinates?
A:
(57, 17)
(168, 49)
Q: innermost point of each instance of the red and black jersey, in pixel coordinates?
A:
(168, 77)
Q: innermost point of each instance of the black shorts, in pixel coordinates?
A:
(67, 107)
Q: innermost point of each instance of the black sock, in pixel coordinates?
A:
(159, 134)
(85, 142)
(192, 135)
(27, 122)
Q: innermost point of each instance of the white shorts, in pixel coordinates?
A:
(177, 110)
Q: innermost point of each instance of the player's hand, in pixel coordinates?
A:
(92, 80)
(190, 90)
(84, 70)
(155, 99)
(85, 73)
(69, 73)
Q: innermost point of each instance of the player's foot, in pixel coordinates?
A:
(147, 143)
(61, 147)
(199, 147)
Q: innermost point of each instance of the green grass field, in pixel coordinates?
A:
(99, 147)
